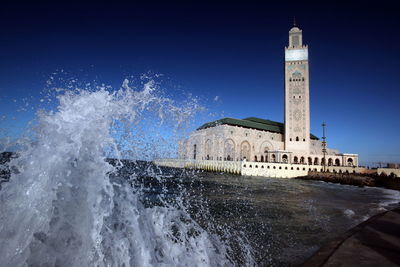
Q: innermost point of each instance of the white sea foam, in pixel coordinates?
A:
(349, 213)
(393, 197)
(61, 209)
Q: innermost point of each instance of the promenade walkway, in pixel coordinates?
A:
(375, 242)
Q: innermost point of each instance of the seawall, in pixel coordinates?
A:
(252, 168)
(358, 179)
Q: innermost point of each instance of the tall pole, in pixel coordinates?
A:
(324, 144)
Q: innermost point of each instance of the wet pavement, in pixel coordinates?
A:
(375, 242)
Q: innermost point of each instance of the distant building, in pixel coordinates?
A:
(393, 165)
(261, 140)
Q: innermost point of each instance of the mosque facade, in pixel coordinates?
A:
(259, 140)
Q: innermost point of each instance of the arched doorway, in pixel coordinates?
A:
(295, 160)
(229, 150)
(309, 161)
(316, 161)
(349, 162)
(284, 158)
(302, 160)
(245, 150)
(330, 162)
(273, 158)
(262, 158)
(264, 148)
(337, 162)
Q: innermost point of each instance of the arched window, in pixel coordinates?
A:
(208, 149)
(316, 161)
(302, 160)
(284, 158)
(330, 162)
(229, 149)
(295, 160)
(255, 158)
(262, 158)
(309, 161)
(245, 151)
(297, 138)
(273, 158)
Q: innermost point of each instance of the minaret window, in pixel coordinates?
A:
(295, 40)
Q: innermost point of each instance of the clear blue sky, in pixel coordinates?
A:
(225, 49)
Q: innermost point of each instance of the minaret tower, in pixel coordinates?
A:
(297, 96)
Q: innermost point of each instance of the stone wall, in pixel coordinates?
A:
(265, 169)
(233, 167)
(276, 170)
(389, 172)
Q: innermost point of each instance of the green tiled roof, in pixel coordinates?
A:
(251, 123)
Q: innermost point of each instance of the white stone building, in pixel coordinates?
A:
(260, 140)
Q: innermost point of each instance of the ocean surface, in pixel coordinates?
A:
(281, 221)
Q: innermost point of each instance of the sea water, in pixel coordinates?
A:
(68, 204)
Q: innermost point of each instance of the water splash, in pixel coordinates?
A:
(61, 208)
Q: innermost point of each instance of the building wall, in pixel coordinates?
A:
(232, 143)
(237, 143)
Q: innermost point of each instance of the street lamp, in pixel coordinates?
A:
(324, 145)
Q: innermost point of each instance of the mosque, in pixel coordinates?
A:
(261, 140)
